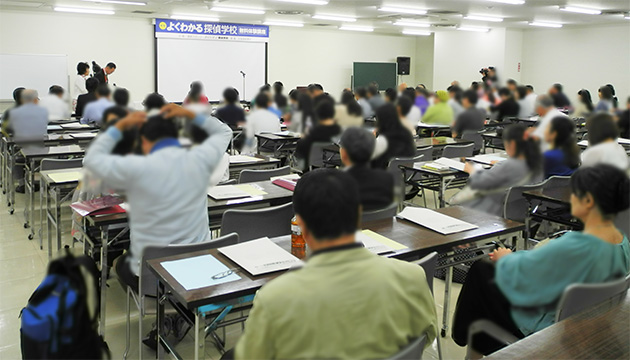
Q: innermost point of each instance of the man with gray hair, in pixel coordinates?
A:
(547, 111)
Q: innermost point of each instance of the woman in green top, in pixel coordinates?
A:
(519, 291)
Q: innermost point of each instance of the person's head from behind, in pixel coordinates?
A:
(195, 92)
(113, 114)
(391, 95)
(455, 93)
(110, 68)
(262, 100)
(441, 96)
(278, 87)
(315, 90)
(601, 128)
(469, 99)
(505, 94)
(530, 89)
(387, 119)
(409, 93)
(91, 84)
(518, 144)
(599, 193)
(403, 106)
(605, 93)
(293, 96)
(29, 96)
(83, 68)
(372, 91)
(325, 110)
(361, 93)
(521, 92)
(560, 131)
(156, 128)
(103, 91)
(555, 89)
(327, 208)
(230, 96)
(544, 104)
(56, 90)
(585, 97)
(17, 96)
(153, 101)
(511, 84)
(121, 97)
(357, 146)
(353, 107)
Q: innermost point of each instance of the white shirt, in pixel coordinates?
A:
(57, 108)
(610, 153)
(260, 121)
(414, 116)
(79, 86)
(543, 124)
(527, 106)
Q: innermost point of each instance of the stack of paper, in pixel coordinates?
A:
(88, 207)
(286, 177)
(53, 128)
(87, 135)
(433, 166)
(197, 272)
(226, 192)
(260, 256)
(377, 243)
(236, 159)
(453, 164)
(75, 125)
(435, 221)
(487, 158)
(65, 177)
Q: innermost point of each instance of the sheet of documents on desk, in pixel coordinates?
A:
(87, 135)
(286, 177)
(236, 159)
(377, 243)
(225, 192)
(197, 272)
(435, 221)
(66, 176)
(75, 125)
(623, 141)
(251, 189)
(487, 158)
(53, 127)
(260, 256)
(453, 164)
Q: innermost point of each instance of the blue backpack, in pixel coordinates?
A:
(60, 320)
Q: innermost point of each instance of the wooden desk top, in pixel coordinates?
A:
(419, 240)
(598, 333)
(560, 195)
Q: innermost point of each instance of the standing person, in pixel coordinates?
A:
(57, 108)
(93, 113)
(393, 139)
(605, 103)
(508, 107)
(83, 73)
(230, 113)
(349, 113)
(563, 156)
(547, 111)
(471, 119)
(374, 97)
(585, 105)
(259, 121)
(326, 203)
(103, 75)
(362, 99)
(440, 112)
(195, 95)
(325, 130)
(560, 100)
(91, 84)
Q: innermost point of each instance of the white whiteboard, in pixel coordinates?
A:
(32, 71)
(217, 64)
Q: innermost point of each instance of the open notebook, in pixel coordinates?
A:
(261, 256)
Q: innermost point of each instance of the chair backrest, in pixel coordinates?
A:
(515, 205)
(429, 263)
(380, 214)
(458, 151)
(254, 224)
(396, 171)
(249, 175)
(427, 152)
(59, 164)
(316, 154)
(413, 350)
(474, 136)
(555, 182)
(579, 297)
(147, 280)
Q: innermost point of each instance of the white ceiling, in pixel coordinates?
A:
(440, 12)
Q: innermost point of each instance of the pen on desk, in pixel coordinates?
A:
(224, 274)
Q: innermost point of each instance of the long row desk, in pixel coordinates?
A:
(420, 241)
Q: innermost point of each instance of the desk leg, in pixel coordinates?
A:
(49, 226)
(159, 320)
(448, 280)
(104, 246)
(200, 335)
(57, 216)
(528, 224)
(11, 182)
(42, 211)
(442, 192)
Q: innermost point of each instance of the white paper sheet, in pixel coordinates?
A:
(286, 177)
(53, 127)
(372, 244)
(75, 125)
(435, 221)
(236, 159)
(453, 164)
(224, 192)
(260, 256)
(87, 135)
(583, 143)
(487, 158)
(197, 272)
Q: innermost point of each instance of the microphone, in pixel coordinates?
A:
(242, 72)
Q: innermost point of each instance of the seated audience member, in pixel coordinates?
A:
(17, 101)
(376, 186)
(326, 204)
(325, 131)
(374, 97)
(560, 100)
(605, 103)
(57, 108)
(91, 84)
(279, 99)
(415, 114)
(603, 147)
(316, 91)
(390, 95)
(230, 113)
(195, 95)
(547, 111)
(349, 113)
(624, 121)
(303, 117)
(508, 107)
(422, 99)
(153, 102)
(563, 156)
(361, 96)
(524, 166)
(512, 85)
(393, 140)
(121, 97)
(93, 113)
(455, 99)
(440, 112)
(520, 291)
(584, 106)
(403, 106)
(471, 119)
(260, 120)
(526, 103)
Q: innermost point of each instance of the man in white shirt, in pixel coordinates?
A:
(547, 111)
(57, 108)
(261, 120)
(93, 113)
(526, 101)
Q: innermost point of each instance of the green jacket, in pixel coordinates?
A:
(343, 304)
(440, 113)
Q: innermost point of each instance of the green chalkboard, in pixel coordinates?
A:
(366, 72)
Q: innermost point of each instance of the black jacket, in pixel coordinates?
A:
(82, 101)
(376, 187)
(101, 77)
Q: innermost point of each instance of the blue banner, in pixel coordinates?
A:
(187, 28)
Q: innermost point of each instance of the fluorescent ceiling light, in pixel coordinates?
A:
(580, 10)
(334, 18)
(118, 2)
(22, 3)
(84, 11)
(402, 10)
(284, 23)
(416, 32)
(356, 28)
(411, 23)
(476, 29)
(544, 24)
(511, 2)
(194, 17)
(238, 10)
(308, 2)
(483, 18)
